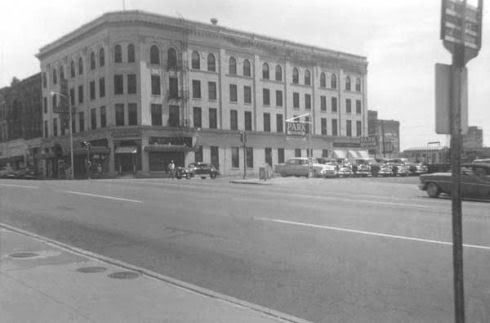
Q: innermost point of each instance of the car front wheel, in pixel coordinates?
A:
(213, 175)
(433, 190)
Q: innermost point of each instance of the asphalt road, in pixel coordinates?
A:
(335, 250)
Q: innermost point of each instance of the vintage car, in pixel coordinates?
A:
(386, 169)
(197, 169)
(331, 166)
(299, 166)
(362, 167)
(475, 182)
(417, 168)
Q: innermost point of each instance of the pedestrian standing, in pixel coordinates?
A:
(171, 169)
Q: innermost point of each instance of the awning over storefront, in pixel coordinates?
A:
(168, 148)
(338, 154)
(364, 154)
(353, 154)
(126, 150)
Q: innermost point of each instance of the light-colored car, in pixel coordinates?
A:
(299, 166)
(475, 182)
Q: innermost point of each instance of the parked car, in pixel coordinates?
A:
(385, 169)
(362, 167)
(417, 168)
(332, 168)
(198, 169)
(475, 182)
(299, 166)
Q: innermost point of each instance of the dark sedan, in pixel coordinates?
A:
(475, 182)
(198, 169)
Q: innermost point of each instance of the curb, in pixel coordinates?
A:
(250, 182)
(175, 282)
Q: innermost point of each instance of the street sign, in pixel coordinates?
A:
(369, 142)
(296, 128)
(443, 99)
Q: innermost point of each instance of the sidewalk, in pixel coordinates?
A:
(45, 281)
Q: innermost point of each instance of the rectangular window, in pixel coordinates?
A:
(296, 100)
(196, 89)
(250, 157)
(118, 84)
(348, 108)
(54, 101)
(267, 122)
(215, 156)
(358, 107)
(358, 128)
(45, 104)
(334, 127)
(279, 123)
(174, 116)
(334, 104)
(155, 85)
(308, 101)
(235, 157)
(131, 83)
(248, 120)
(156, 114)
(55, 127)
(119, 114)
(349, 128)
(46, 134)
(233, 93)
(102, 87)
(132, 114)
(247, 94)
(278, 98)
(324, 126)
(80, 94)
(197, 117)
(266, 95)
(81, 121)
(212, 93)
(297, 152)
(213, 118)
(233, 120)
(72, 97)
(325, 153)
(103, 117)
(198, 155)
(93, 118)
(92, 90)
(268, 156)
(323, 103)
(173, 87)
(280, 155)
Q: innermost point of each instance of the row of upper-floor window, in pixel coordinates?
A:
(77, 68)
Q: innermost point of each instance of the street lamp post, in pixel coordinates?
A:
(67, 97)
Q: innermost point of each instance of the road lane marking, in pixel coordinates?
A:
(103, 196)
(370, 233)
(21, 186)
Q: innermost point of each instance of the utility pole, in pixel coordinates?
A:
(461, 26)
(243, 139)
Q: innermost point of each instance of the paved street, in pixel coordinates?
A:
(335, 250)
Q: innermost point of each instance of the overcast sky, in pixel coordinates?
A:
(399, 38)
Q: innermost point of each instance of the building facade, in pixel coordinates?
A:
(473, 139)
(145, 89)
(20, 122)
(387, 134)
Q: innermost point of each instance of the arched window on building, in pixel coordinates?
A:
(72, 68)
(211, 63)
(196, 60)
(80, 66)
(278, 73)
(358, 84)
(117, 54)
(265, 71)
(232, 66)
(347, 83)
(333, 81)
(154, 55)
(246, 68)
(101, 57)
(171, 58)
(307, 77)
(92, 61)
(295, 76)
(323, 80)
(131, 53)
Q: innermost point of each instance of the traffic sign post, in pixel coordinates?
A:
(461, 26)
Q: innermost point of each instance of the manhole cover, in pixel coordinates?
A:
(93, 269)
(23, 255)
(124, 275)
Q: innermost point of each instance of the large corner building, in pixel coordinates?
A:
(146, 89)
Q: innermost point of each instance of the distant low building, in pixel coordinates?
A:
(427, 154)
(473, 138)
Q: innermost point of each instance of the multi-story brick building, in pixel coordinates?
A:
(146, 89)
(387, 133)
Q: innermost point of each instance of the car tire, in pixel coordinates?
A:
(212, 175)
(433, 190)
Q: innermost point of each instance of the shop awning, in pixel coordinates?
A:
(126, 150)
(353, 154)
(364, 154)
(339, 154)
(168, 148)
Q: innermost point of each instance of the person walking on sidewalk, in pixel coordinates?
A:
(171, 169)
